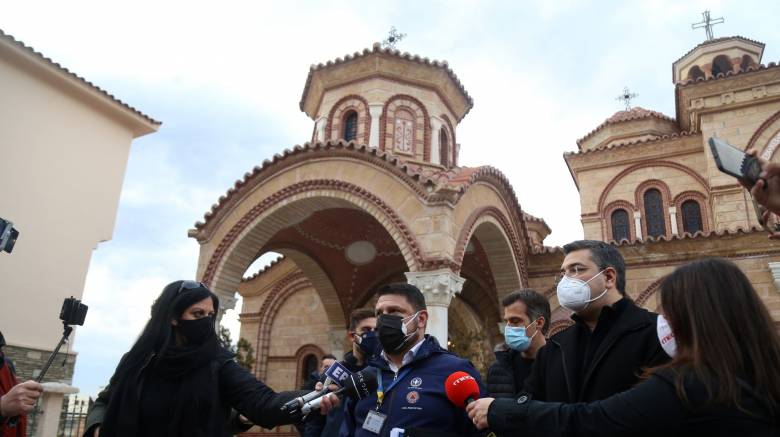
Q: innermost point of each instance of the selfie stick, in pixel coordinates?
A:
(65, 334)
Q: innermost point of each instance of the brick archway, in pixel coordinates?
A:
(629, 170)
(334, 128)
(285, 288)
(496, 236)
(238, 248)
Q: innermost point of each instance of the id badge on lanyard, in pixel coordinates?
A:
(374, 419)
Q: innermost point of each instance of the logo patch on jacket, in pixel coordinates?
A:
(416, 382)
(412, 397)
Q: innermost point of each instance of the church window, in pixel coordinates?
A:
(691, 216)
(403, 138)
(695, 73)
(620, 225)
(654, 213)
(310, 364)
(350, 126)
(444, 148)
(721, 64)
(747, 61)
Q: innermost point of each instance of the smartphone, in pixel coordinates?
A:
(735, 162)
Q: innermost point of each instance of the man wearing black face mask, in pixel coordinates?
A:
(365, 344)
(363, 336)
(411, 370)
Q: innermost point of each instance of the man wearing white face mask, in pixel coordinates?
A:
(527, 318)
(612, 339)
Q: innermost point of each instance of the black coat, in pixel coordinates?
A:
(507, 374)
(238, 389)
(652, 408)
(630, 345)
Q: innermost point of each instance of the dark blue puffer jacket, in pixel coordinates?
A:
(418, 400)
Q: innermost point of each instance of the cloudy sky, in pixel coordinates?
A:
(225, 79)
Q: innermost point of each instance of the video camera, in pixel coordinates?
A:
(8, 235)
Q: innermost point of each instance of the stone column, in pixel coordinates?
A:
(638, 224)
(435, 128)
(673, 219)
(774, 268)
(438, 287)
(50, 407)
(375, 110)
(319, 127)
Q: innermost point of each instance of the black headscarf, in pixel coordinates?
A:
(188, 366)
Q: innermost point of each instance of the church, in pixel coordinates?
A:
(378, 195)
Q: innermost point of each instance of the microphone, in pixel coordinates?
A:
(336, 374)
(357, 385)
(461, 388)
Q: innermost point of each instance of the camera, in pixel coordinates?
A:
(73, 312)
(8, 235)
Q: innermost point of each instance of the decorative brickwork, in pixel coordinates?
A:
(506, 257)
(614, 181)
(701, 199)
(606, 218)
(422, 130)
(334, 128)
(666, 196)
(453, 141)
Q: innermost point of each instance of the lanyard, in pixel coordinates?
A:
(380, 392)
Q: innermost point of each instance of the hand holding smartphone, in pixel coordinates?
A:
(748, 169)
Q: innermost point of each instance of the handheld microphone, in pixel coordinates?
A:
(357, 385)
(336, 374)
(461, 388)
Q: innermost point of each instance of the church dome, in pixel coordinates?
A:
(635, 124)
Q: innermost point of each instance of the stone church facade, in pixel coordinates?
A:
(378, 196)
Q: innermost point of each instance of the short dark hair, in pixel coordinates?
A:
(535, 303)
(329, 356)
(412, 294)
(603, 255)
(359, 315)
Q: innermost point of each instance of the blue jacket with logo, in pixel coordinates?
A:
(418, 400)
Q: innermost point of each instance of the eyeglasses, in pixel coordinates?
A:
(571, 272)
(190, 285)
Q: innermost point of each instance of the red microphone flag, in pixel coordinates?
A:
(461, 388)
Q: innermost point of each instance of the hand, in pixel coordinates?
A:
(766, 191)
(329, 402)
(478, 411)
(20, 399)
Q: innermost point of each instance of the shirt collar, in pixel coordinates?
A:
(610, 312)
(408, 356)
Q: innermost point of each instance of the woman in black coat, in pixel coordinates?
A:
(723, 379)
(177, 380)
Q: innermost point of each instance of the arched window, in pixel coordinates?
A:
(747, 61)
(310, 364)
(721, 64)
(403, 139)
(654, 213)
(620, 225)
(695, 73)
(444, 148)
(691, 216)
(350, 126)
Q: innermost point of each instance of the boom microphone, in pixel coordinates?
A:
(358, 385)
(461, 388)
